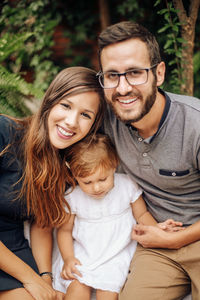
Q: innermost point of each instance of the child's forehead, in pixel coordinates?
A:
(98, 172)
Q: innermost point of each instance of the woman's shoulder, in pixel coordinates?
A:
(6, 123)
(7, 130)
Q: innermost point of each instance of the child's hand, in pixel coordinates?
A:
(69, 268)
(170, 225)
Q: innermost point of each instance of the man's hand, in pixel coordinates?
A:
(154, 237)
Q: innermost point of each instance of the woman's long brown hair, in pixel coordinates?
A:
(45, 174)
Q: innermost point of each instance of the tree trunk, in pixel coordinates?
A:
(104, 14)
(188, 34)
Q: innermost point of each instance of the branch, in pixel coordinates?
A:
(181, 12)
(104, 14)
(193, 10)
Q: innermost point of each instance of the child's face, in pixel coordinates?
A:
(98, 184)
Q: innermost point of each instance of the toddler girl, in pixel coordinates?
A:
(95, 241)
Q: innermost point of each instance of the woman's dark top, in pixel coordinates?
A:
(12, 211)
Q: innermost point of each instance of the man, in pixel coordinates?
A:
(157, 135)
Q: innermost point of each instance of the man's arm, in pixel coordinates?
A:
(154, 237)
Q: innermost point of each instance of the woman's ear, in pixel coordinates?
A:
(160, 73)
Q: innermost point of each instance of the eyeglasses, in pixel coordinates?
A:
(110, 80)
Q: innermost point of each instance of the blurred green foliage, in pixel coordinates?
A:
(28, 27)
(14, 90)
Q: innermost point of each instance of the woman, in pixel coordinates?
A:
(33, 178)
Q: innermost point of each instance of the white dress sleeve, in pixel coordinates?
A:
(71, 200)
(132, 188)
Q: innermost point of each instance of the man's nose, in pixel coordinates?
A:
(123, 87)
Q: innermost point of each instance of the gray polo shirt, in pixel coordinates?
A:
(167, 165)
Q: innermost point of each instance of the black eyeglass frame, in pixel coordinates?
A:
(100, 73)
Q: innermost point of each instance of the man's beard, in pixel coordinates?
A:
(145, 109)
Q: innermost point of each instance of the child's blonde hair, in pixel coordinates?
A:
(85, 157)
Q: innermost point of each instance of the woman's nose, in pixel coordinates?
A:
(71, 119)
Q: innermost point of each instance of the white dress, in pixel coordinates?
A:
(102, 236)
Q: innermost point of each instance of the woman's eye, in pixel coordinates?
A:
(65, 105)
(86, 115)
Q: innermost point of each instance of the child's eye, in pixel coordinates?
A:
(86, 115)
(88, 182)
(103, 179)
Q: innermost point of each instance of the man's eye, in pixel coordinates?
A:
(111, 76)
(135, 72)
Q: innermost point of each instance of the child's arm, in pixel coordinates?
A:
(141, 214)
(65, 244)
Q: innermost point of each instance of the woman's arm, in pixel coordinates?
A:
(14, 266)
(31, 281)
(42, 245)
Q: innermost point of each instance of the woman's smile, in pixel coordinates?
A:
(72, 118)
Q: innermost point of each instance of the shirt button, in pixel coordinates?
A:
(144, 154)
(140, 139)
(173, 173)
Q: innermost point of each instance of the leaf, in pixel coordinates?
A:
(162, 11)
(10, 43)
(164, 28)
(157, 2)
(168, 44)
(196, 62)
(181, 40)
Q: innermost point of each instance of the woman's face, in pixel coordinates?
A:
(71, 119)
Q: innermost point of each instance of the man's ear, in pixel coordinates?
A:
(160, 73)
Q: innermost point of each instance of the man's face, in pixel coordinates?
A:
(130, 103)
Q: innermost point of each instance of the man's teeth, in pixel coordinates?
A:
(127, 101)
(65, 133)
